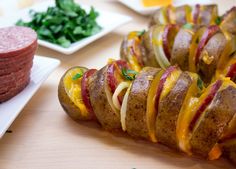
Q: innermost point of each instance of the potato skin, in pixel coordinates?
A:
(169, 109)
(70, 108)
(136, 123)
(149, 58)
(214, 48)
(215, 120)
(107, 117)
(228, 21)
(180, 50)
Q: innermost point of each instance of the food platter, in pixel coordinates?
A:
(115, 20)
(42, 67)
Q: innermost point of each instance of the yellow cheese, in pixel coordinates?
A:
(151, 112)
(73, 90)
(170, 82)
(150, 3)
(186, 115)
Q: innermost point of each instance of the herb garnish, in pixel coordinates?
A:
(78, 75)
(64, 23)
(129, 74)
(140, 33)
(200, 84)
(218, 20)
(188, 26)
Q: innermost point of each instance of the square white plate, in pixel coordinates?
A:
(137, 5)
(107, 20)
(9, 110)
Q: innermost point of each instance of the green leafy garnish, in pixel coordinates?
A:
(129, 74)
(200, 84)
(188, 26)
(218, 20)
(64, 23)
(78, 75)
(140, 33)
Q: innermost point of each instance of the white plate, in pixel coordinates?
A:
(107, 20)
(9, 110)
(137, 5)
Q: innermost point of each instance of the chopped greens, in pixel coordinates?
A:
(188, 26)
(129, 74)
(200, 84)
(218, 20)
(140, 33)
(78, 75)
(63, 24)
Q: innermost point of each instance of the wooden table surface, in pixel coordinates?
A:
(43, 137)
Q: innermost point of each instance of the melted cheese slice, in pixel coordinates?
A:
(73, 90)
(151, 112)
(151, 3)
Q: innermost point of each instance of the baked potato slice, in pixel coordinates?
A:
(169, 109)
(213, 122)
(136, 123)
(180, 50)
(100, 98)
(183, 14)
(228, 21)
(69, 94)
(149, 58)
(208, 14)
(210, 56)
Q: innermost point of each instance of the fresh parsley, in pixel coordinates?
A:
(64, 23)
(140, 33)
(129, 74)
(188, 26)
(218, 20)
(78, 75)
(200, 84)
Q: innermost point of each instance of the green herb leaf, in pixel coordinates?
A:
(218, 20)
(140, 33)
(188, 26)
(129, 74)
(64, 23)
(200, 84)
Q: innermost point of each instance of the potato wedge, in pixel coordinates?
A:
(69, 104)
(214, 121)
(99, 93)
(136, 123)
(169, 109)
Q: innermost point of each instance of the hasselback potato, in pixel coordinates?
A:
(171, 107)
(201, 47)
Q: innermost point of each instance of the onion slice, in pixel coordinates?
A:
(124, 109)
(119, 89)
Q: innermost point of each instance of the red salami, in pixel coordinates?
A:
(17, 49)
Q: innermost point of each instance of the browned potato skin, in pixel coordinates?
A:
(215, 120)
(214, 48)
(180, 14)
(109, 119)
(136, 123)
(180, 50)
(228, 21)
(205, 16)
(229, 149)
(70, 108)
(169, 109)
(149, 58)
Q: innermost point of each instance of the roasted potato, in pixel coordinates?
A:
(228, 21)
(168, 111)
(180, 50)
(149, 58)
(208, 14)
(182, 14)
(213, 121)
(99, 92)
(136, 123)
(65, 96)
(210, 56)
